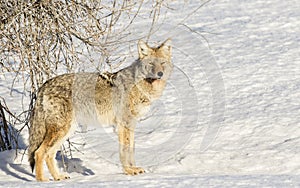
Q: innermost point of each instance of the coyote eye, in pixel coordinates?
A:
(163, 62)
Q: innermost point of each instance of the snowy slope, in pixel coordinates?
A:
(230, 115)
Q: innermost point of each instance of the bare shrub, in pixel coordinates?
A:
(41, 38)
(8, 135)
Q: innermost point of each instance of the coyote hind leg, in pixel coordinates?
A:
(47, 151)
(39, 160)
(52, 166)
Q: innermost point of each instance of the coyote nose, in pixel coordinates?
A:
(160, 74)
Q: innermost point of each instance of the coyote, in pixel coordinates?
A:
(119, 99)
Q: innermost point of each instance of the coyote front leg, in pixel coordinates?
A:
(126, 146)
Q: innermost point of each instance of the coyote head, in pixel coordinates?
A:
(155, 63)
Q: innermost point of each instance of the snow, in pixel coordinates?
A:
(229, 115)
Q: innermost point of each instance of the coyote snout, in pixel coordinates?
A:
(120, 99)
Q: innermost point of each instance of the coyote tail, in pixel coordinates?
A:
(36, 137)
(31, 160)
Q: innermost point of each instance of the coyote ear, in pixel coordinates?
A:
(143, 48)
(166, 46)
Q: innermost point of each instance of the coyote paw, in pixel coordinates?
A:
(61, 177)
(133, 170)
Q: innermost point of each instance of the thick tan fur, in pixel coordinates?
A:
(119, 98)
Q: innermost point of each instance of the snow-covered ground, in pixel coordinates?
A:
(230, 115)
